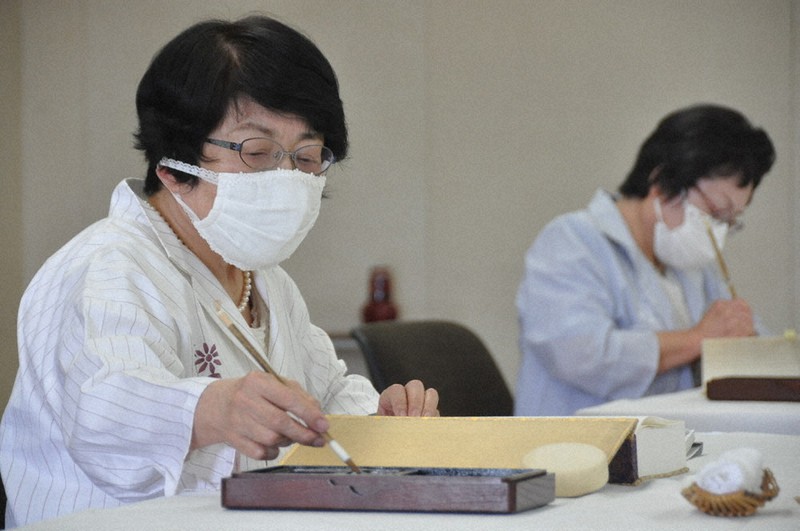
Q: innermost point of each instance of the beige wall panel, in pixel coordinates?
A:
(472, 124)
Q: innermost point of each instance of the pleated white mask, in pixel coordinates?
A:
(687, 246)
(257, 219)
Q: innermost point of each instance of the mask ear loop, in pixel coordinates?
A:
(191, 169)
(202, 173)
(684, 196)
(657, 208)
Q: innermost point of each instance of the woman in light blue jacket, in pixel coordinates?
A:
(617, 298)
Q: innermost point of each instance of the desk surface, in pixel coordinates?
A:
(702, 414)
(656, 504)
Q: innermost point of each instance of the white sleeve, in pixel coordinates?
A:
(304, 352)
(126, 410)
(350, 394)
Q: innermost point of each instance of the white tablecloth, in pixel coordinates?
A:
(654, 505)
(702, 414)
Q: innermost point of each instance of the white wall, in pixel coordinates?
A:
(472, 124)
(10, 186)
(536, 104)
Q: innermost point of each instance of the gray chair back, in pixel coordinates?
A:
(444, 355)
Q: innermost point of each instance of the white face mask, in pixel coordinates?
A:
(688, 246)
(257, 219)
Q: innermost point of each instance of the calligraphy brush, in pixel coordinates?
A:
(335, 446)
(721, 261)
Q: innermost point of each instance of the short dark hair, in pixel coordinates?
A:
(193, 80)
(697, 142)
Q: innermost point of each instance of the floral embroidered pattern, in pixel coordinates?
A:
(207, 361)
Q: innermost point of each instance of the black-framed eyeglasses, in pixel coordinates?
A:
(262, 153)
(734, 223)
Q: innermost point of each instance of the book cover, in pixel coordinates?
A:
(752, 368)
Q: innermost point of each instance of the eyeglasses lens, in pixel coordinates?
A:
(265, 154)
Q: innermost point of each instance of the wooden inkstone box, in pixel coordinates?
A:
(467, 490)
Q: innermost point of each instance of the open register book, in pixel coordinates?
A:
(662, 447)
(635, 450)
(752, 368)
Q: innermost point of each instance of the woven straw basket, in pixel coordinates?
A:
(739, 503)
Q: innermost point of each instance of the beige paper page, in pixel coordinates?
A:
(461, 442)
(775, 356)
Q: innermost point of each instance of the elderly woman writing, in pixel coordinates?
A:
(130, 385)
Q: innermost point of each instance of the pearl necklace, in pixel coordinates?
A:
(247, 286)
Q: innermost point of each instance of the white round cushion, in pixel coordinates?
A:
(579, 468)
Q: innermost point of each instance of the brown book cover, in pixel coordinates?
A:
(752, 368)
(755, 388)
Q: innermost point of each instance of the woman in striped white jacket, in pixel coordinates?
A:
(130, 384)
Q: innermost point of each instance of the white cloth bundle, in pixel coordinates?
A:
(740, 469)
